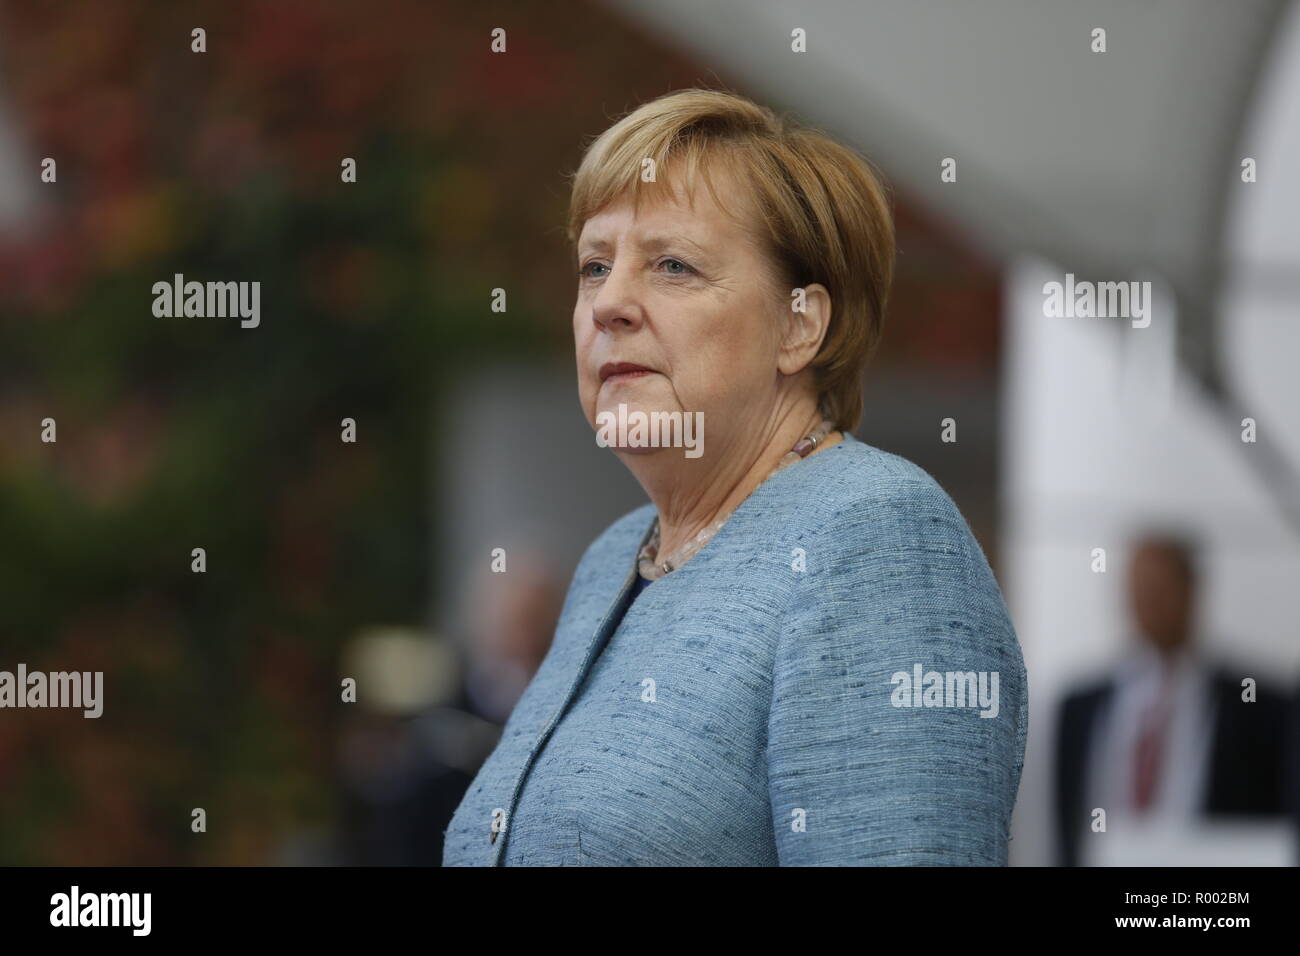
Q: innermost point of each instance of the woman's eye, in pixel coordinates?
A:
(674, 267)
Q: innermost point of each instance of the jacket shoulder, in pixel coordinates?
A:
(875, 503)
(861, 477)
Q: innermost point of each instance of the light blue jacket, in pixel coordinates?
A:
(758, 706)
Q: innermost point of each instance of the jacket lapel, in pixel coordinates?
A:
(604, 630)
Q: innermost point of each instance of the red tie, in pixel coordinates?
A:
(1150, 744)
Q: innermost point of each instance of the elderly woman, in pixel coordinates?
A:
(796, 652)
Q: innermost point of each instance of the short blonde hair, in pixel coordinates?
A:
(824, 207)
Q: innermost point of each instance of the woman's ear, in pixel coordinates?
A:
(805, 328)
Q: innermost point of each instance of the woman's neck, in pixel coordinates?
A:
(692, 494)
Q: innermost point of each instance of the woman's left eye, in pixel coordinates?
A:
(685, 268)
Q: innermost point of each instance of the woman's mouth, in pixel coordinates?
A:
(622, 371)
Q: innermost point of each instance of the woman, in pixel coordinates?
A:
(796, 652)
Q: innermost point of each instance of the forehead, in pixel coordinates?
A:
(692, 216)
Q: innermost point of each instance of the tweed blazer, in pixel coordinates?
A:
(834, 679)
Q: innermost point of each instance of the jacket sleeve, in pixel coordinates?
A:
(865, 767)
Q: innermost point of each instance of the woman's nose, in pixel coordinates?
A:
(617, 307)
(616, 320)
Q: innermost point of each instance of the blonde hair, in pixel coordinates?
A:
(825, 208)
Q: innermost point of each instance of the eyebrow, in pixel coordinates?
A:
(647, 242)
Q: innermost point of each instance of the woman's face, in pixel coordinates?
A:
(686, 294)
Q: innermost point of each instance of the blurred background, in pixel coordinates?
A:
(372, 559)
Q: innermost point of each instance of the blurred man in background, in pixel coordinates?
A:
(1170, 736)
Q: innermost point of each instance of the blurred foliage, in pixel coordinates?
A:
(222, 689)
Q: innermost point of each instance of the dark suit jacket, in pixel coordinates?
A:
(1245, 776)
(1291, 748)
